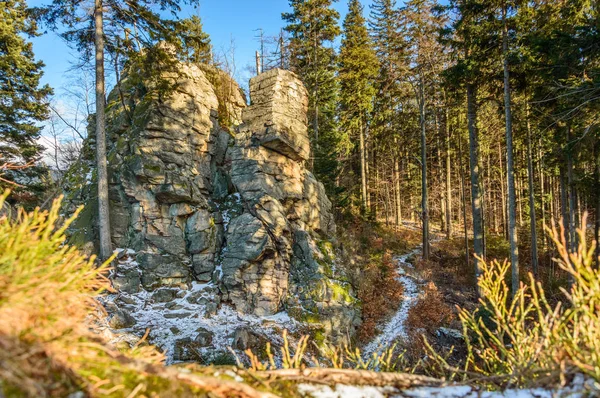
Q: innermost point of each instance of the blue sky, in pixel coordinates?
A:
(224, 20)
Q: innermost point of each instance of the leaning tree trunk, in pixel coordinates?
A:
(512, 226)
(103, 210)
(475, 185)
(534, 251)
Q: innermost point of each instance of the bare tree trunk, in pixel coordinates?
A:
(398, 193)
(448, 181)
(597, 200)
(512, 227)
(474, 167)
(534, 252)
(363, 169)
(105, 245)
(367, 173)
(564, 205)
(424, 209)
(503, 194)
(542, 193)
(464, 200)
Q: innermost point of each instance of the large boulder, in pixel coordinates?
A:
(208, 191)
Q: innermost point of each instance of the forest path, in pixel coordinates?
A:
(395, 328)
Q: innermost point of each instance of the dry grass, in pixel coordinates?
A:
(380, 293)
(525, 340)
(425, 317)
(47, 310)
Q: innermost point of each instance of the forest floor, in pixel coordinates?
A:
(431, 294)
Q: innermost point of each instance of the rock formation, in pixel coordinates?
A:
(207, 192)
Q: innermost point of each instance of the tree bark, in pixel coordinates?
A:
(105, 245)
(424, 209)
(512, 227)
(448, 181)
(532, 218)
(464, 200)
(571, 192)
(397, 190)
(475, 185)
(503, 194)
(597, 200)
(363, 170)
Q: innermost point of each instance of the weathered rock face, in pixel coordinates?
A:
(234, 208)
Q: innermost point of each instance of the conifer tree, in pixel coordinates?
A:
(23, 102)
(195, 42)
(388, 36)
(358, 69)
(312, 26)
(426, 58)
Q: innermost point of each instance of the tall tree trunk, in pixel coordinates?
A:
(474, 167)
(512, 227)
(367, 173)
(542, 193)
(424, 209)
(571, 191)
(398, 194)
(503, 193)
(564, 205)
(448, 180)
(363, 169)
(534, 251)
(103, 204)
(464, 201)
(597, 201)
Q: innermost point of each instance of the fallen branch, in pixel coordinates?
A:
(351, 377)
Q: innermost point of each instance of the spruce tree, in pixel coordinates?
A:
(427, 58)
(358, 70)
(23, 102)
(312, 26)
(388, 36)
(195, 42)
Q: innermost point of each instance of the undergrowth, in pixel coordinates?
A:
(47, 308)
(526, 341)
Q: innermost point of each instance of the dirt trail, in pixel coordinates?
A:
(395, 328)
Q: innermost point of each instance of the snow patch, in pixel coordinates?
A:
(344, 391)
(192, 309)
(395, 328)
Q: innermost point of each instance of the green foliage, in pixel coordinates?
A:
(525, 341)
(23, 102)
(357, 71)
(195, 42)
(313, 27)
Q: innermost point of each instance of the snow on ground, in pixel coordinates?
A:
(193, 308)
(579, 388)
(344, 391)
(395, 328)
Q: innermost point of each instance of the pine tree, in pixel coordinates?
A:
(427, 57)
(358, 69)
(195, 42)
(472, 39)
(23, 103)
(313, 27)
(388, 36)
